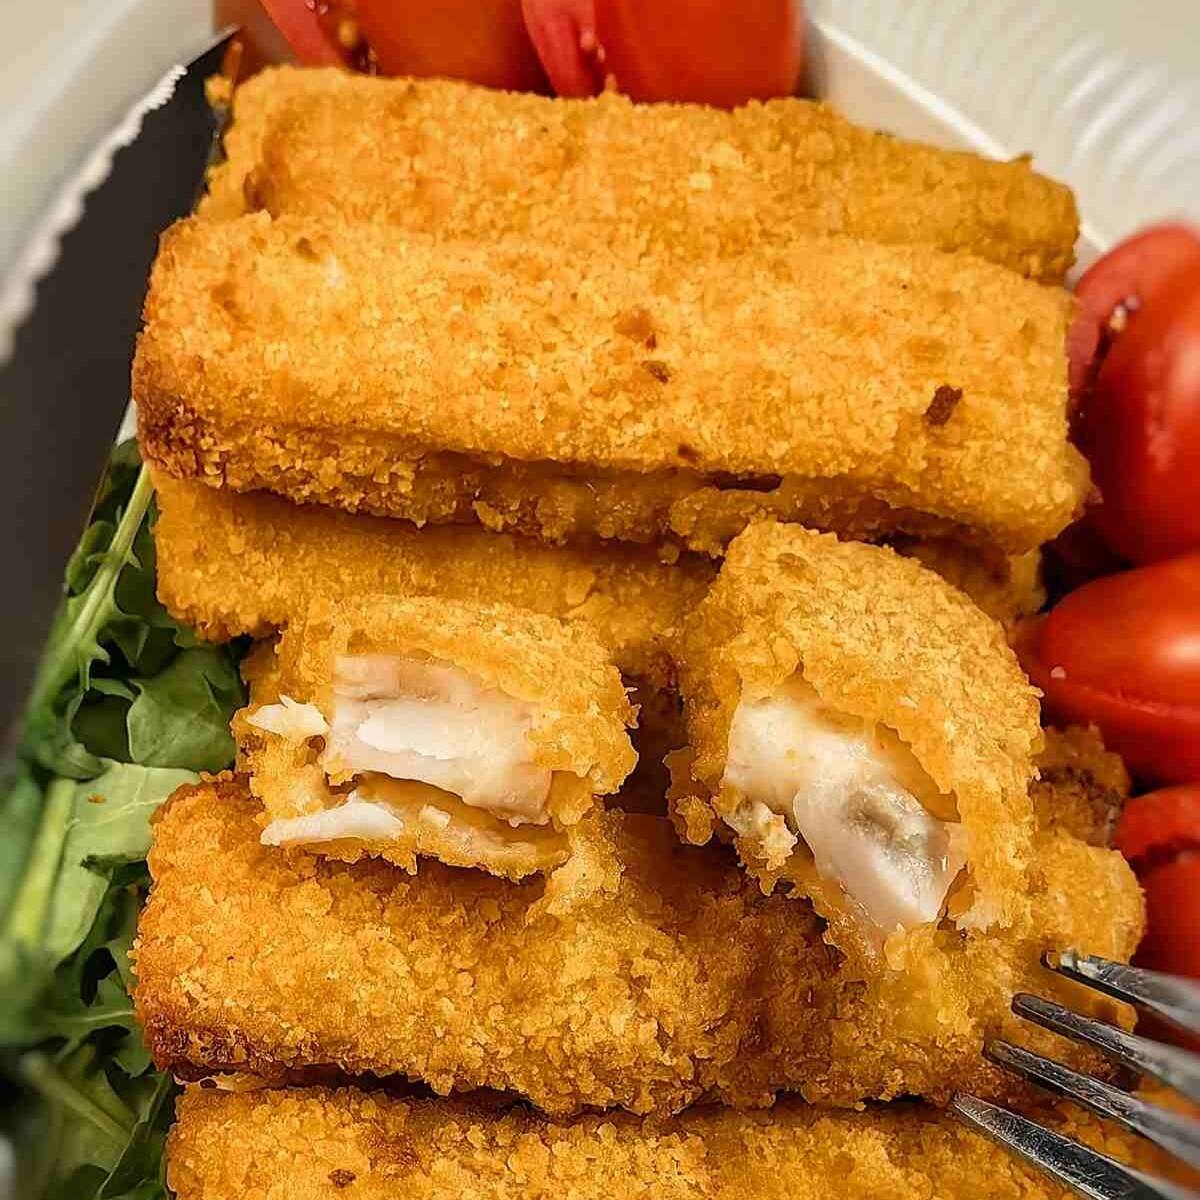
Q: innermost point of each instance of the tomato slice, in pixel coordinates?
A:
(484, 41)
(275, 31)
(1123, 652)
(1140, 427)
(1160, 825)
(1172, 941)
(1126, 277)
(564, 34)
(705, 51)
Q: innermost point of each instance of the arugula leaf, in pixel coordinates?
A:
(74, 647)
(20, 808)
(126, 707)
(181, 715)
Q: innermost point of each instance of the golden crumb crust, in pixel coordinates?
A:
(878, 637)
(435, 156)
(1006, 586)
(642, 974)
(580, 712)
(1081, 786)
(320, 1143)
(864, 388)
(231, 564)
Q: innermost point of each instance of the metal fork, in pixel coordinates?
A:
(1085, 1170)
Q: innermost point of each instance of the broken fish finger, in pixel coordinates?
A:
(862, 731)
(478, 734)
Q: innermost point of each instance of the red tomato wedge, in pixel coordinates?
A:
(279, 30)
(564, 35)
(484, 41)
(1123, 652)
(1160, 825)
(705, 51)
(1140, 426)
(1126, 277)
(1172, 941)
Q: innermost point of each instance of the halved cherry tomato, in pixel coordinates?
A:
(1123, 652)
(1172, 941)
(707, 51)
(1125, 278)
(564, 34)
(279, 30)
(1160, 825)
(1140, 426)
(484, 41)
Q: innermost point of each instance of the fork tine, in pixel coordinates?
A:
(1168, 996)
(1177, 1068)
(1175, 1132)
(1090, 1173)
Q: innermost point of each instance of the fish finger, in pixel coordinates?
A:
(478, 734)
(319, 1141)
(642, 974)
(869, 390)
(863, 731)
(437, 156)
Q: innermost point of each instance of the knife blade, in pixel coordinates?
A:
(69, 314)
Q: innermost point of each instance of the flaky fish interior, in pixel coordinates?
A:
(801, 776)
(407, 728)
(862, 732)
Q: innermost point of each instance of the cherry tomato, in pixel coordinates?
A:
(707, 51)
(1123, 652)
(484, 41)
(279, 30)
(1160, 835)
(1140, 427)
(1172, 941)
(564, 35)
(1125, 278)
(1160, 825)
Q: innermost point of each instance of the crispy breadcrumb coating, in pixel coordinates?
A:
(560, 677)
(231, 564)
(434, 156)
(1006, 586)
(880, 639)
(287, 555)
(1081, 787)
(373, 370)
(321, 1143)
(642, 974)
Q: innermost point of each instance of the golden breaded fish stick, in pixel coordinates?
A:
(1081, 786)
(287, 555)
(231, 564)
(641, 974)
(313, 1143)
(435, 156)
(1005, 586)
(860, 388)
(477, 734)
(864, 731)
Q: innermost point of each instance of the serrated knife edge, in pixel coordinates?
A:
(41, 251)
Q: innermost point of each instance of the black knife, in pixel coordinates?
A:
(69, 314)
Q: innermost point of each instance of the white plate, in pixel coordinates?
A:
(1106, 95)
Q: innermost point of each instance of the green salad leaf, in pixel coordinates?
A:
(126, 706)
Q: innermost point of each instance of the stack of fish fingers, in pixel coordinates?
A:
(628, 504)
